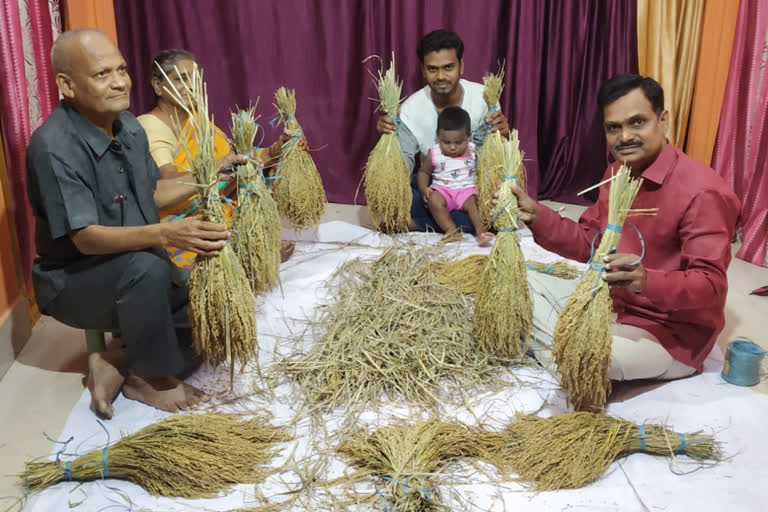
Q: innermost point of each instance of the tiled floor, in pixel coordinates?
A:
(41, 387)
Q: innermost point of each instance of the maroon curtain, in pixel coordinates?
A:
(557, 55)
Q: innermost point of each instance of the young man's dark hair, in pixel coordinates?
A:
(440, 40)
(620, 85)
(454, 119)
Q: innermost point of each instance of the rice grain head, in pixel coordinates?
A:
(298, 188)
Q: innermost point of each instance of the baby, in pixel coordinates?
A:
(451, 165)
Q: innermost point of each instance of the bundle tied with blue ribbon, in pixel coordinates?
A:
(299, 189)
(407, 459)
(582, 338)
(256, 229)
(221, 303)
(187, 456)
(503, 313)
(387, 177)
(571, 450)
(490, 170)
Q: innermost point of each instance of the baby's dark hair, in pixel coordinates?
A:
(454, 118)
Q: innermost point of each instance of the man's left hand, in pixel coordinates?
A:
(625, 271)
(498, 122)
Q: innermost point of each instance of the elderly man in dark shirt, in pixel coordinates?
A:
(95, 193)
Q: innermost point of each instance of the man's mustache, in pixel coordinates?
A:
(625, 145)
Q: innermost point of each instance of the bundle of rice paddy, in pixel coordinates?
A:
(256, 225)
(189, 456)
(298, 188)
(407, 458)
(503, 313)
(387, 175)
(462, 274)
(490, 169)
(390, 329)
(572, 450)
(582, 338)
(222, 308)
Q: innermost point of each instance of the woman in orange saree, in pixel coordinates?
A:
(169, 154)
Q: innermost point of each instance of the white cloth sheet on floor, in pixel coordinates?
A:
(704, 402)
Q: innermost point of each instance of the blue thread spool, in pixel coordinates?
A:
(742, 362)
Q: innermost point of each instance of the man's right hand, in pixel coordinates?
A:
(199, 236)
(385, 124)
(529, 207)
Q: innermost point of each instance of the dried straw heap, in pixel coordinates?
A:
(503, 313)
(256, 226)
(408, 458)
(462, 274)
(571, 450)
(387, 175)
(390, 329)
(188, 456)
(490, 168)
(298, 188)
(222, 309)
(582, 339)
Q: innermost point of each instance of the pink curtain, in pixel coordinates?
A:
(27, 95)
(741, 151)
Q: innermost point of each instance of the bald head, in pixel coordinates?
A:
(91, 72)
(72, 42)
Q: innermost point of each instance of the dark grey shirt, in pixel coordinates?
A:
(78, 176)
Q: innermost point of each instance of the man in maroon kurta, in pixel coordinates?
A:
(670, 305)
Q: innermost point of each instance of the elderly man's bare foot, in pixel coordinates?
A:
(484, 239)
(286, 250)
(105, 378)
(164, 393)
(452, 236)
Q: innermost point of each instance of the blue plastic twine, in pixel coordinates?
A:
(641, 436)
(408, 488)
(499, 211)
(482, 131)
(599, 266)
(741, 366)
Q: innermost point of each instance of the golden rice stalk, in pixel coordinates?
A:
(582, 338)
(185, 455)
(256, 226)
(298, 188)
(407, 458)
(244, 130)
(490, 173)
(571, 450)
(387, 176)
(503, 313)
(462, 274)
(559, 269)
(222, 308)
(490, 170)
(390, 330)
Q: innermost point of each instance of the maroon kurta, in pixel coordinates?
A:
(687, 251)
